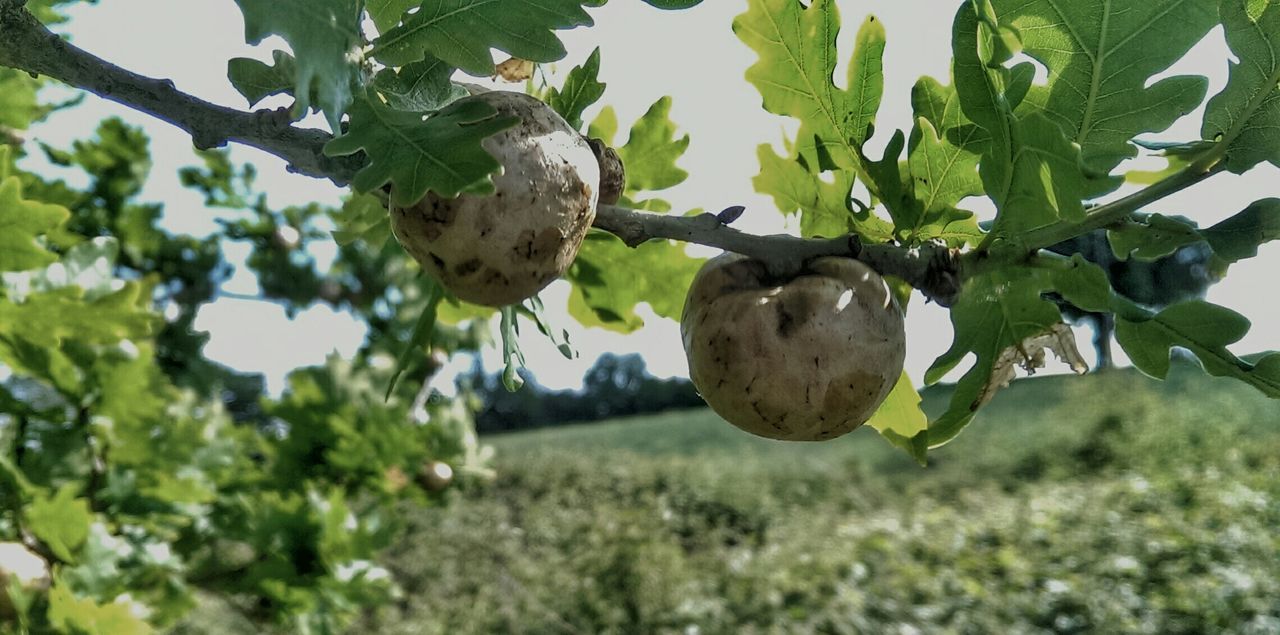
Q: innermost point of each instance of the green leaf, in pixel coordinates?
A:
(892, 181)
(21, 221)
(581, 89)
(1085, 285)
(461, 32)
(1046, 184)
(824, 207)
(18, 105)
(605, 126)
(32, 333)
(795, 77)
(1239, 236)
(995, 312)
(944, 151)
(423, 86)
(1245, 116)
(1101, 56)
(1030, 169)
(99, 572)
(942, 174)
(1232, 239)
(362, 217)
(48, 317)
(387, 13)
(61, 522)
(651, 151)
(797, 49)
(901, 421)
(980, 88)
(322, 34)
(13, 478)
(133, 397)
(420, 341)
(452, 311)
(69, 614)
(256, 80)
(1204, 329)
(1151, 237)
(610, 279)
(442, 153)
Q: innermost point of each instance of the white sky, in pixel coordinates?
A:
(692, 56)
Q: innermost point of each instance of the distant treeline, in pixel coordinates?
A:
(615, 386)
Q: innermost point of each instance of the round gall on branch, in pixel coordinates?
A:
(501, 248)
(807, 358)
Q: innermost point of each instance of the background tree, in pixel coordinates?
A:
(149, 476)
(615, 386)
(1152, 282)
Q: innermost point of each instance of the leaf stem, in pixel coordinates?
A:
(1102, 215)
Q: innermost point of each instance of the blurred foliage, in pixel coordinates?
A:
(147, 476)
(1121, 505)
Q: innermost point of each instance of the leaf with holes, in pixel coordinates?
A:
(1232, 239)
(1151, 237)
(996, 312)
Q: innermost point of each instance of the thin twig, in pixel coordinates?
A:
(932, 269)
(1113, 212)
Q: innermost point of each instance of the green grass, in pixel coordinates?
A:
(1032, 417)
(1108, 503)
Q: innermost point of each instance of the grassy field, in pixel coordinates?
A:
(1109, 503)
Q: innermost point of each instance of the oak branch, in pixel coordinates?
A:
(934, 270)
